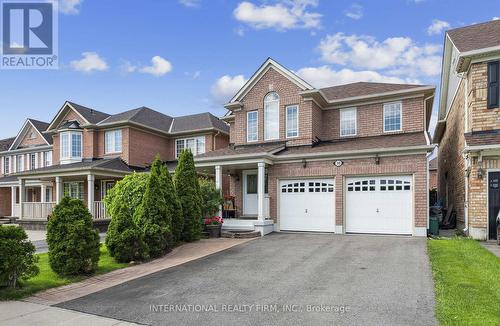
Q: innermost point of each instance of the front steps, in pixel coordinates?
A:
(5, 220)
(240, 234)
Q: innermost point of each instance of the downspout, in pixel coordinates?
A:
(427, 158)
(213, 140)
(466, 157)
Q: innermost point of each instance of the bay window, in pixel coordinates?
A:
(392, 117)
(252, 126)
(271, 116)
(113, 141)
(71, 147)
(292, 121)
(348, 123)
(195, 144)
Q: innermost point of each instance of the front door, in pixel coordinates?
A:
(106, 186)
(250, 201)
(493, 203)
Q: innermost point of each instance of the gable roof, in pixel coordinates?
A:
(39, 126)
(42, 127)
(199, 121)
(143, 116)
(270, 63)
(89, 115)
(6, 143)
(363, 89)
(476, 37)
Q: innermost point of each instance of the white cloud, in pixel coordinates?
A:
(190, 3)
(90, 62)
(283, 15)
(159, 67)
(437, 27)
(400, 55)
(495, 18)
(226, 87)
(325, 76)
(70, 7)
(355, 11)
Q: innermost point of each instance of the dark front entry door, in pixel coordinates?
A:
(493, 203)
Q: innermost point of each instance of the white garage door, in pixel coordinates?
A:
(307, 205)
(379, 205)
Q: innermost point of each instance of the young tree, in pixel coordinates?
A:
(73, 242)
(152, 215)
(210, 196)
(174, 207)
(188, 191)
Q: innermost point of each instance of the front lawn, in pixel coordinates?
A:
(467, 282)
(48, 279)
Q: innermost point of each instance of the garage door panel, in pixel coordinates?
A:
(379, 205)
(307, 205)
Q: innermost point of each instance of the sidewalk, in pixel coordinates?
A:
(22, 313)
(178, 256)
(491, 246)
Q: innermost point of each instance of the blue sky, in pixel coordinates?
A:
(189, 56)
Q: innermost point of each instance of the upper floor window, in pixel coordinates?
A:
(292, 121)
(113, 141)
(252, 126)
(71, 145)
(392, 116)
(6, 165)
(19, 163)
(493, 84)
(33, 161)
(195, 144)
(271, 116)
(348, 123)
(47, 158)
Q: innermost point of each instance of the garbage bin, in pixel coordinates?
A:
(434, 225)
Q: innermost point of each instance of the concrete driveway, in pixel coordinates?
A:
(283, 279)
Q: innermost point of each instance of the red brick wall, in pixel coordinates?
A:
(30, 142)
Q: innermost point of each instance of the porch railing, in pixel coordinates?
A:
(266, 207)
(37, 210)
(99, 210)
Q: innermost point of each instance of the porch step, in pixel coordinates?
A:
(240, 234)
(5, 221)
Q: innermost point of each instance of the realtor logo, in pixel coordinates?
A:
(29, 34)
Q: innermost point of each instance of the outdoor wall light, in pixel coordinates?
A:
(480, 173)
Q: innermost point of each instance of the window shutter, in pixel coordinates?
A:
(493, 85)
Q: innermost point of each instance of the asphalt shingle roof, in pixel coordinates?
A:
(6, 143)
(362, 89)
(91, 115)
(144, 116)
(41, 127)
(477, 36)
(198, 121)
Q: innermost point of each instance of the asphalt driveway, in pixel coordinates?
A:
(283, 279)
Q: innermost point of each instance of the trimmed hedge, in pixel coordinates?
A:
(73, 242)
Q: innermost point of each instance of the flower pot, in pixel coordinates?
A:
(214, 231)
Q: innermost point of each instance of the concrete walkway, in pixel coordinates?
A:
(23, 313)
(178, 256)
(491, 246)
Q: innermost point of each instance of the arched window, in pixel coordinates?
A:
(271, 116)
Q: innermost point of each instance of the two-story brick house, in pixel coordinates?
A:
(344, 159)
(82, 152)
(468, 130)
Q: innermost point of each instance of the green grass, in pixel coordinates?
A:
(47, 279)
(467, 282)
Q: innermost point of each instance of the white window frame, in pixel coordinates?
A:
(286, 120)
(32, 161)
(257, 129)
(267, 129)
(47, 158)
(400, 116)
(6, 165)
(198, 140)
(355, 122)
(19, 163)
(70, 158)
(114, 148)
(79, 189)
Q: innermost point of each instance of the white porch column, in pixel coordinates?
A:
(90, 193)
(261, 176)
(59, 189)
(218, 183)
(43, 190)
(22, 183)
(13, 201)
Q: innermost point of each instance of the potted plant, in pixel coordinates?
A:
(213, 225)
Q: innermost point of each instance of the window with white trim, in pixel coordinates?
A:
(292, 121)
(73, 190)
(271, 116)
(252, 126)
(6, 165)
(392, 116)
(195, 144)
(32, 161)
(113, 141)
(348, 122)
(47, 158)
(71, 145)
(19, 163)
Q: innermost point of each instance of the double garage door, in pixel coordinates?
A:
(372, 205)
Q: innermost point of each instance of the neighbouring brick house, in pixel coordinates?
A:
(82, 153)
(433, 174)
(468, 130)
(344, 159)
